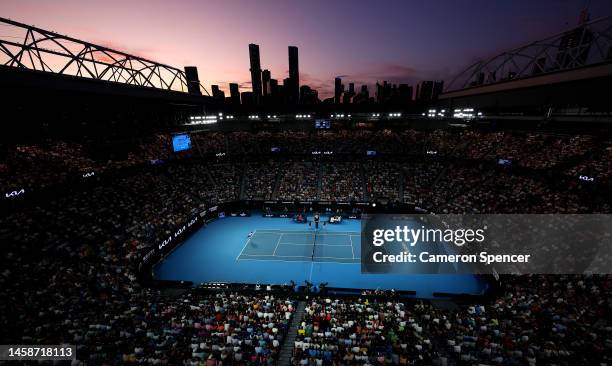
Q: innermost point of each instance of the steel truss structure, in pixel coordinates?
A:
(32, 48)
(588, 44)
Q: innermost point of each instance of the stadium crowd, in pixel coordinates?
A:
(39, 165)
(549, 320)
(342, 182)
(299, 181)
(71, 251)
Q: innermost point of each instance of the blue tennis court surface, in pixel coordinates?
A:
(284, 245)
(280, 251)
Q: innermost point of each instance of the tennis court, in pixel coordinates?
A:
(317, 246)
(281, 250)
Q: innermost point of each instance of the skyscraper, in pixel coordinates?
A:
(429, 90)
(217, 93)
(294, 74)
(379, 92)
(426, 90)
(405, 93)
(308, 95)
(275, 92)
(338, 89)
(255, 72)
(363, 96)
(348, 96)
(193, 82)
(438, 86)
(287, 90)
(273, 86)
(247, 98)
(265, 79)
(234, 93)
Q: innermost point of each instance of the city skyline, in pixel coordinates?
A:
(266, 90)
(343, 39)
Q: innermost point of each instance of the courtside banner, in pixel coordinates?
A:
(486, 244)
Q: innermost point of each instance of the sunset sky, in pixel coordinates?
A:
(362, 41)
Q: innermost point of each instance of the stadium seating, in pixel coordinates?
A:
(70, 275)
(538, 320)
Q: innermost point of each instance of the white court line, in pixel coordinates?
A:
(325, 245)
(241, 255)
(245, 244)
(316, 256)
(337, 234)
(266, 255)
(273, 231)
(295, 244)
(277, 243)
(310, 277)
(292, 256)
(275, 256)
(286, 261)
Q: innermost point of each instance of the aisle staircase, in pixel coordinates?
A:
(242, 191)
(402, 175)
(284, 358)
(278, 179)
(364, 183)
(320, 172)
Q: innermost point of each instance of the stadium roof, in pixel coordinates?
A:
(586, 45)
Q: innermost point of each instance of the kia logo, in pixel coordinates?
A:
(165, 242)
(14, 193)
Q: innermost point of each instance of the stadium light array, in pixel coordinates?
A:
(434, 113)
(202, 120)
(466, 113)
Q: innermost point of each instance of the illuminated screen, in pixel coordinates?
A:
(504, 162)
(322, 123)
(181, 142)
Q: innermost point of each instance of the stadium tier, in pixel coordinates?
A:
(77, 234)
(146, 221)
